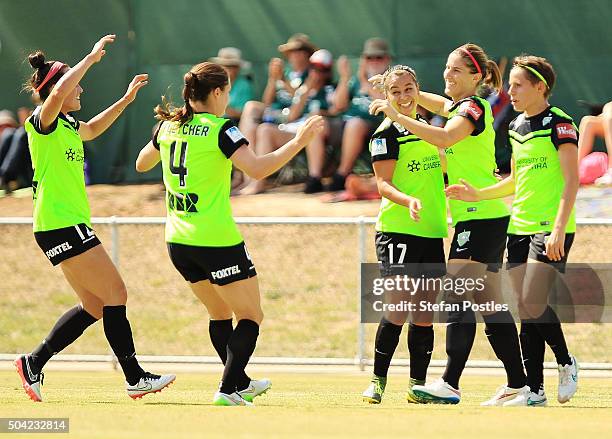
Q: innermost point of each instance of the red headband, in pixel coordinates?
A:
(56, 67)
(472, 58)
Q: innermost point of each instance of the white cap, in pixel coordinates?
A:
(323, 58)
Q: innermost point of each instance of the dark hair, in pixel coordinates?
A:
(540, 65)
(42, 67)
(200, 81)
(491, 76)
(398, 70)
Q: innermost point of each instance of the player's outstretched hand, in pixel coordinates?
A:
(377, 82)
(310, 128)
(137, 83)
(463, 191)
(98, 49)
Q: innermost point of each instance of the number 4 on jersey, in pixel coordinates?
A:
(179, 170)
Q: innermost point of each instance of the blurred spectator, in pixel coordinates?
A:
(281, 86)
(242, 86)
(314, 96)
(593, 166)
(7, 120)
(15, 163)
(354, 94)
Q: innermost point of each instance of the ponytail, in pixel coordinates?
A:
(199, 82)
(493, 80)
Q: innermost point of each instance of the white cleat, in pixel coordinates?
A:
(438, 392)
(256, 388)
(233, 399)
(568, 381)
(528, 399)
(505, 394)
(150, 383)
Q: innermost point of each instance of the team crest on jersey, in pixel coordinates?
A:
(379, 147)
(566, 131)
(472, 109)
(463, 238)
(400, 128)
(235, 134)
(546, 120)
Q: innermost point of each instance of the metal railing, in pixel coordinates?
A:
(361, 222)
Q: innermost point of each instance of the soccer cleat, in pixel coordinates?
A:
(373, 394)
(410, 395)
(438, 392)
(233, 399)
(256, 388)
(568, 381)
(31, 382)
(528, 399)
(149, 383)
(505, 394)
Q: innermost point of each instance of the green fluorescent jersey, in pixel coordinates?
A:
(539, 180)
(473, 159)
(58, 184)
(197, 172)
(418, 173)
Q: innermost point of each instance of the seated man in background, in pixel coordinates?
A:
(314, 96)
(596, 166)
(282, 83)
(242, 85)
(15, 163)
(354, 95)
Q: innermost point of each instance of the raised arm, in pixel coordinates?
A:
(275, 73)
(458, 128)
(259, 167)
(435, 103)
(342, 93)
(100, 123)
(67, 83)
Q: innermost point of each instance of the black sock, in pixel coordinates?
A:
(533, 347)
(67, 329)
(119, 335)
(550, 328)
(420, 347)
(220, 332)
(240, 347)
(387, 339)
(502, 335)
(460, 334)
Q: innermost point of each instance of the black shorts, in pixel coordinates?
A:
(523, 247)
(64, 243)
(414, 256)
(219, 265)
(481, 240)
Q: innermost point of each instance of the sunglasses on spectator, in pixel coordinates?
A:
(319, 68)
(375, 57)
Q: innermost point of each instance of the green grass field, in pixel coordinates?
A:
(301, 405)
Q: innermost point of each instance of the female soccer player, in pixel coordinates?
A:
(410, 229)
(197, 147)
(62, 225)
(544, 181)
(478, 243)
